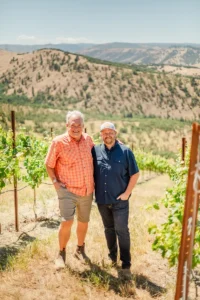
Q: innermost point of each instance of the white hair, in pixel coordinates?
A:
(74, 113)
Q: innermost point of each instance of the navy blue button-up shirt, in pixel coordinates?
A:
(112, 171)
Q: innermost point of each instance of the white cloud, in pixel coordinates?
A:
(26, 37)
(70, 40)
(34, 40)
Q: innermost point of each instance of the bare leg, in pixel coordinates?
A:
(64, 233)
(81, 232)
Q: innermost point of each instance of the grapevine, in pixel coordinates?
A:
(26, 161)
(168, 235)
(9, 161)
(150, 162)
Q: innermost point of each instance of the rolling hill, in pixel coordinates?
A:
(61, 79)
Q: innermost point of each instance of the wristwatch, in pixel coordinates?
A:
(54, 180)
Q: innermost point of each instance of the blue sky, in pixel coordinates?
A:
(87, 21)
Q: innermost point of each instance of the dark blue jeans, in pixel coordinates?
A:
(115, 220)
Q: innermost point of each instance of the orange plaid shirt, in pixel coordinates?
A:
(72, 162)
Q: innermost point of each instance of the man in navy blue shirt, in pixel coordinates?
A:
(115, 173)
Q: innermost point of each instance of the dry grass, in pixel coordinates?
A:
(30, 273)
(180, 70)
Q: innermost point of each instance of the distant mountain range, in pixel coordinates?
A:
(31, 48)
(131, 53)
(146, 54)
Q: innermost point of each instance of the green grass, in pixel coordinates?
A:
(147, 124)
(164, 153)
(23, 254)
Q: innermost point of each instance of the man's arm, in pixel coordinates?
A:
(131, 184)
(52, 175)
(50, 162)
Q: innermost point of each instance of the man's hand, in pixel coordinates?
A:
(123, 196)
(58, 185)
(131, 184)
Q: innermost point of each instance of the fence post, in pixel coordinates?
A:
(183, 149)
(51, 132)
(34, 203)
(189, 218)
(14, 176)
(85, 130)
(132, 147)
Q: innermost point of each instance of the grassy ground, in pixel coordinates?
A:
(28, 263)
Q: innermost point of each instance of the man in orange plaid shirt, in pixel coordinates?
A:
(69, 164)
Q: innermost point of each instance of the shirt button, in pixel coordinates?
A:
(105, 191)
(105, 182)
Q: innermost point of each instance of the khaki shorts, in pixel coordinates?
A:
(69, 202)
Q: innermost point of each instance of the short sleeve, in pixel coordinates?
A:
(91, 143)
(132, 164)
(52, 155)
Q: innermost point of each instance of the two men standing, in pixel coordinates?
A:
(70, 166)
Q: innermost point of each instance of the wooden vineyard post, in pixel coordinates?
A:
(132, 146)
(51, 132)
(183, 149)
(34, 203)
(14, 176)
(189, 218)
(85, 130)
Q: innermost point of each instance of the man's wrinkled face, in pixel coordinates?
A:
(108, 136)
(75, 127)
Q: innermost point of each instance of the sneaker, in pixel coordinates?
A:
(126, 274)
(60, 260)
(80, 254)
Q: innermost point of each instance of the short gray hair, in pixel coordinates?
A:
(74, 113)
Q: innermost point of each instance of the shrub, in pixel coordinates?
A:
(38, 77)
(123, 130)
(90, 78)
(85, 87)
(33, 92)
(55, 67)
(185, 90)
(77, 58)
(193, 82)
(194, 102)
(19, 90)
